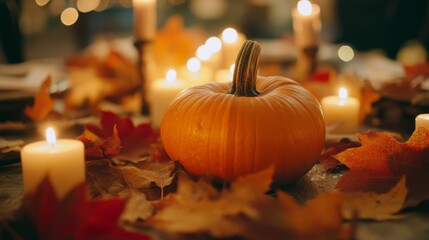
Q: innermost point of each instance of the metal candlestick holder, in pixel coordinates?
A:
(142, 68)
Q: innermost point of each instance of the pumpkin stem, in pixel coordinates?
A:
(246, 70)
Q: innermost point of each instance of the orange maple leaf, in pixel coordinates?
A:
(381, 161)
(174, 44)
(43, 103)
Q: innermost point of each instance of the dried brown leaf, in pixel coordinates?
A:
(369, 205)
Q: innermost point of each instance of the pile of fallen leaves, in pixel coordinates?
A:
(127, 171)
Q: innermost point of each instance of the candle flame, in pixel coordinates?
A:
(171, 75)
(230, 35)
(304, 7)
(50, 137)
(342, 93)
(193, 65)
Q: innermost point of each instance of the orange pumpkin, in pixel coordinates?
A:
(227, 130)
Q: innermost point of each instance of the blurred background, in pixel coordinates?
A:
(33, 29)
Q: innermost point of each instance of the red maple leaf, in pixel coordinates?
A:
(381, 161)
(108, 148)
(43, 216)
(131, 136)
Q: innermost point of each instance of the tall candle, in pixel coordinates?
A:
(422, 120)
(163, 91)
(63, 161)
(144, 19)
(342, 110)
(306, 24)
(232, 41)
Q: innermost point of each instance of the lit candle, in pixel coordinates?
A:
(341, 110)
(224, 75)
(144, 19)
(306, 24)
(422, 120)
(194, 73)
(163, 91)
(209, 56)
(232, 41)
(62, 160)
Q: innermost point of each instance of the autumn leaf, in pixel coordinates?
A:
(199, 208)
(370, 205)
(381, 161)
(43, 216)
(174, 53)
(245, 210)
(96, 148)
(42, 104)
(329, 162)
(319, 218)
(131, 136)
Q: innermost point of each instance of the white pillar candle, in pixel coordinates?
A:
(194, 73)
(63, 161)
(422, 120)
(306, 24)
(163, 91)
(232, 41)
(144, 19)
(341, 110)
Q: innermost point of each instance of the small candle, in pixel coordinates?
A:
(422, 120)
(342, 110)
(306, 24)
(209, 56)
(62, 160)
(195, 74)
(232, 41)
(163, 91)
(144, 19)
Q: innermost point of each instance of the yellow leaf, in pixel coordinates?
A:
(369, 205)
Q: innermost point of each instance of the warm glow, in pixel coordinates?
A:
(102, 5)
(232, 68)
(304, 7)
(193, 65)
(346, 53)
(204, 53)
(87, 5)
(171, 76)
(69, 16)
(42, 2)
(50, 137)
(229, 35)
(342, 93)
(214, 44)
